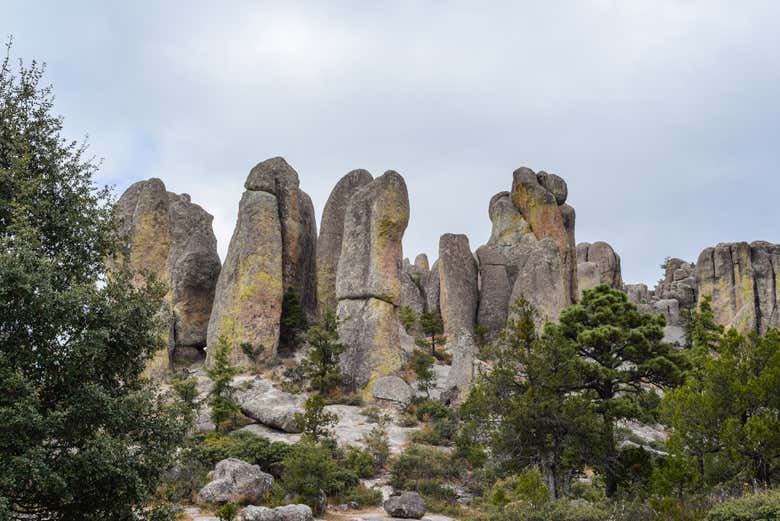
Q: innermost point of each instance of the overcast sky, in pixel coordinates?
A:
(663, 116)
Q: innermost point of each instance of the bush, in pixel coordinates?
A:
(364, 497)
(527, 486)
(227, 512)
(756, 507)
(378, 446)
(426, 410)
(361, 462)
(561, 510)
(308, 469)
(245, 446)
(418, 464)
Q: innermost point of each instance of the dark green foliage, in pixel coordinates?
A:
(419, 464)
(82, 434)
(227, 512)
(408, 318)
(224, 409)
(215, 447)
(378, 446)
(187, 391)
(527, 486)
(422, 365)
(432, 327)
(426, 410)
(310, 469)
(361, 462)
(293, 320)
(322, 364)
(316, 422)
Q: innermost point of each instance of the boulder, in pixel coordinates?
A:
(606, 260)
(248, 300)
(368, 279)
(392, 389)
(458, 276)
(548, 218)
(283, 513)
(171, 237)
(332, 233)
(679, 282)
(236, 481)
(298, 228)
(408, 505)
(421, 263)
(264, 403)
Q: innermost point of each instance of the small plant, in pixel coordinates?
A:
(322, 364)
(316, 422)
(224, 409)
(422, 365)
(187, 391)
(378, 445)
(432, 327)
(293, 320)
(408, 318)
(227, 512)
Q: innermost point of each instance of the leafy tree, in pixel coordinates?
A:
(408, 318)
(224, 409)
(293, 320)
(322, 363)
(733, 408)
(524, 407)
(433, 327)
(621, 356)
(309, 472)
(701, 331)
(82, 434)
(316, 422)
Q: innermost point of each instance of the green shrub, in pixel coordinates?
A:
(408, 318)
(361, 462)
(309, 468)
(419, 463)
(243, 445)
(364, 497)
(431, 409)
(561, 510)
(227, 512)
(527, 486)
(378, 446)
(755, 507)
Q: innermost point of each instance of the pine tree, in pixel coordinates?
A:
(322, 363)
(224, 409)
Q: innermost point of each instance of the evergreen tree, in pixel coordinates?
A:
(432, 327)
(322, 363)
(82, 434)
(224, 408)
(293, 320)
(316, 422)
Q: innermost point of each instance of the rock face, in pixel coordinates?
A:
(236, 481)
(172, 238)
(519, 261)
(458, 279)
(262, 402)
(408, 505)
(413, 278)
(743, 281)
(605, 261)
(541, 200)
(272, 251)
(392, 389)
(368, 278)
(332, 234)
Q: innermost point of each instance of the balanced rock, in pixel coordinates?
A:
(392, 389)
(248, 301)
(264, 403)
(458, 279)
(541, 201)
(606, 261)
(236, 481)
(368, 278)
(741, 279)
(332, 234)
(172, 238)
(408, 505)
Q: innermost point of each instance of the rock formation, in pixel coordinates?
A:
(743, 281)
(530, 253)
(236, 481)
(597, 263)
(272, 250)
(413, 278)
(459, 291)
(170, 237)
(368, 278)
(332, 233)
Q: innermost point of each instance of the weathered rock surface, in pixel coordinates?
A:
(392, 389)
(264, 403)
(606, 260)
(248, 301)
(171, 237)
(282, 513)
(458, 279)
(743, 281)
(538, 197)
(408, 505)
(412, 287)
(332, 234)
(298, 228)
(236, 481)
(432, 288)
(368, 279)
(679, 282)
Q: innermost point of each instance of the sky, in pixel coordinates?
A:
(662, 116)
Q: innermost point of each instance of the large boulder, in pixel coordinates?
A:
(408, 505)
(332, 234)
(298, 228)
(248, 300)
(541, 201)
(607, 262)
(264, 403)
(368, 279)
(459, 292)
(167, 235)
(742, 281)
(236, 481)
(392, 389)
(282, 513)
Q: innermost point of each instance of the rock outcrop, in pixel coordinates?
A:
(332, 234)
(282, 513)
(172, 238)
(368, 279)
(236, 481)
(597, 263)
(521, 259)
(458, 281)
(413, 278)
(272, 251)
(392, 389)
(743, 281)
